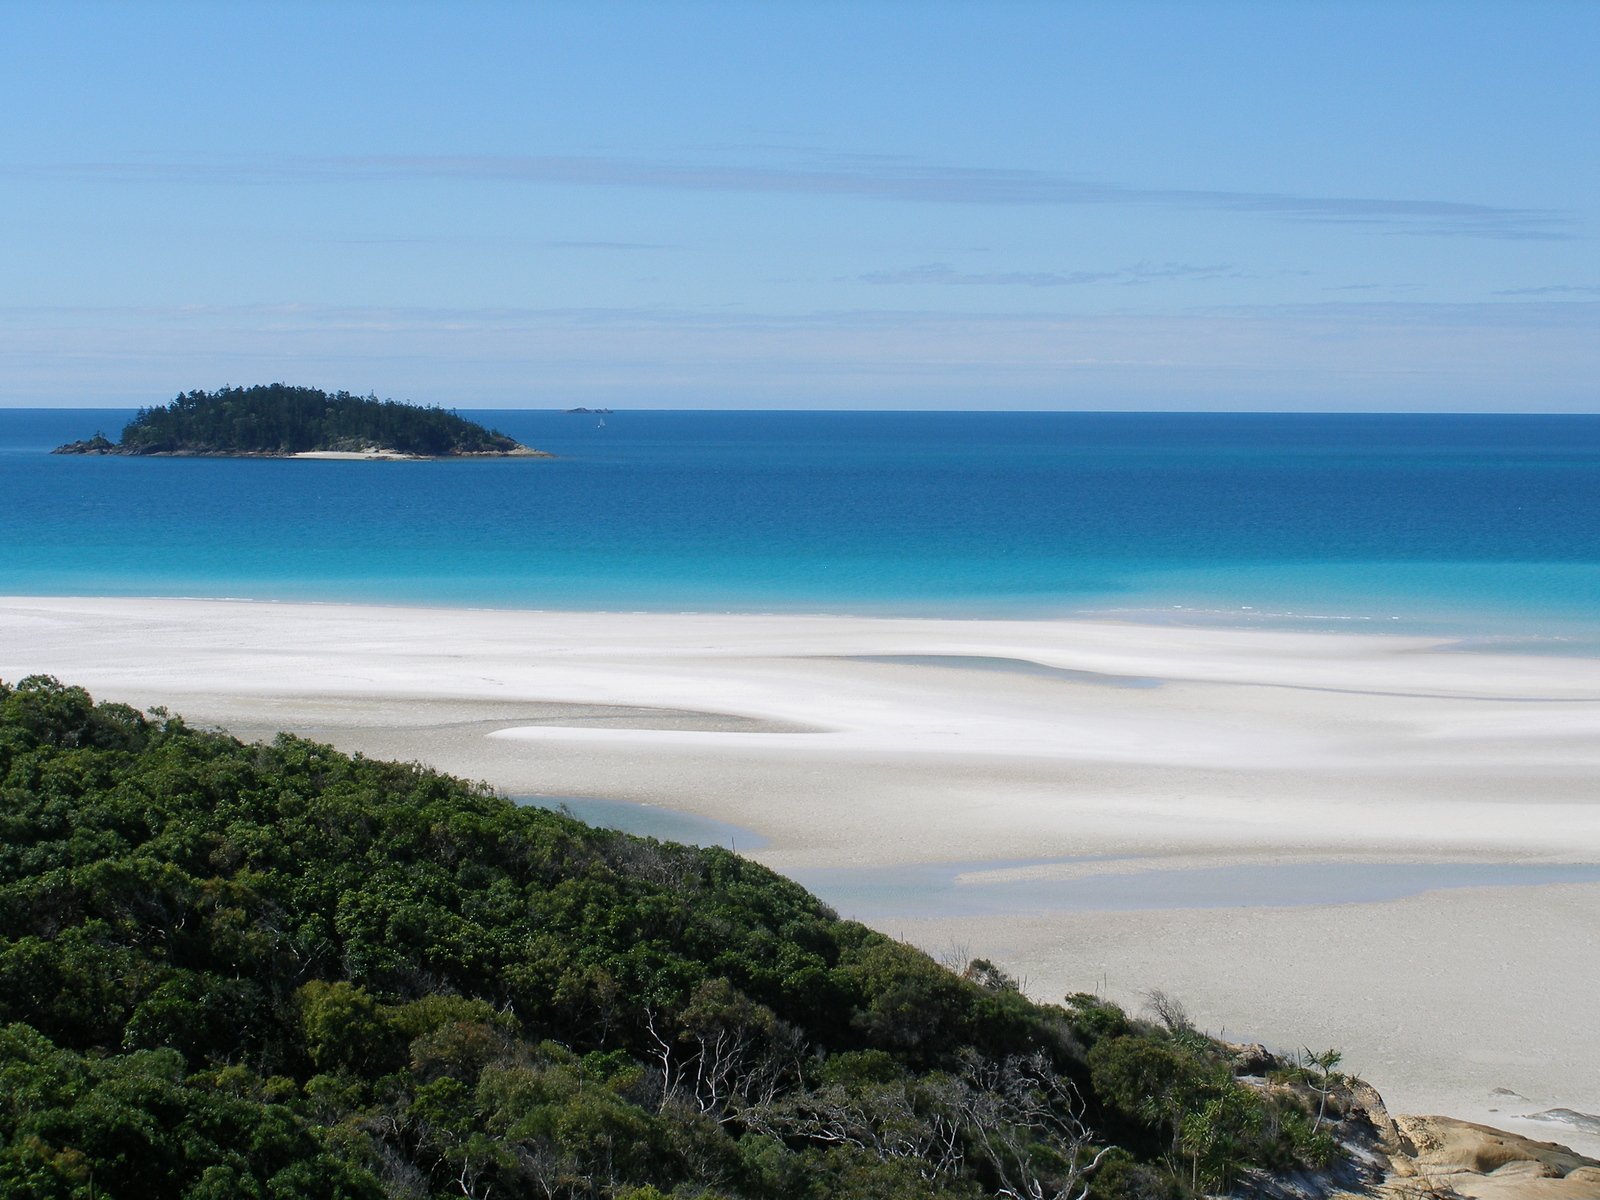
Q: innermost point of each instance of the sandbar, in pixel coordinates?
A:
(859, 743)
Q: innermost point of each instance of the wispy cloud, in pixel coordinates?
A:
(1461, 221)
(1555, 313)
(1144, 272)
(1578, 316)
(464, 240)
(882, 178)
(1334, 356)
(1371, 287)
(1553, 289)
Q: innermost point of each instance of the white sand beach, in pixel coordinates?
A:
(1021, 752)
(358, 455)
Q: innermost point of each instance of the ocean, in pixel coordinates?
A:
(1484, 528)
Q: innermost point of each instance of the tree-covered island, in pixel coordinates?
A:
(276, 420)
(278, 971)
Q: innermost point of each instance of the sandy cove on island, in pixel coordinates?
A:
(1446, 798)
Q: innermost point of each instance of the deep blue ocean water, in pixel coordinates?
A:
(1478, 526)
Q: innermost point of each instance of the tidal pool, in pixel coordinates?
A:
(960, 889)
(649, 820)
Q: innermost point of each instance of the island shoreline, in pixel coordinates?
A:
(329, 455)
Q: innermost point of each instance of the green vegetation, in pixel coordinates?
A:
(278, 971)
(276, 419)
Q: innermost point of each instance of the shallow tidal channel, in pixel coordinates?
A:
(1087, 884)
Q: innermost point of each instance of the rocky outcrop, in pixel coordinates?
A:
(1441, 1158)
(1401, 1157)
(98, 444)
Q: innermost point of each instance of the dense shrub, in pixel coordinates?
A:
(281, 971)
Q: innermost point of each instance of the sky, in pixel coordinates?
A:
(998, 205)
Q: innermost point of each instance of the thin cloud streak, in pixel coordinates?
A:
(872, 178)
(1553, 289)
(461, 240)
(1387, 356)
(1371, 287)
(943, 273)
(1556, 314)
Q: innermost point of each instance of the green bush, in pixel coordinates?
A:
(280, 971)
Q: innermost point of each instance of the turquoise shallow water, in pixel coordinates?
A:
(1482, 527)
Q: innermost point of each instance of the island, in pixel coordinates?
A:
(279, 421)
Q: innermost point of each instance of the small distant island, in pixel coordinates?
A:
(279, 421)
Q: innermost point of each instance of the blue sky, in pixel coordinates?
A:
(892, 205)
